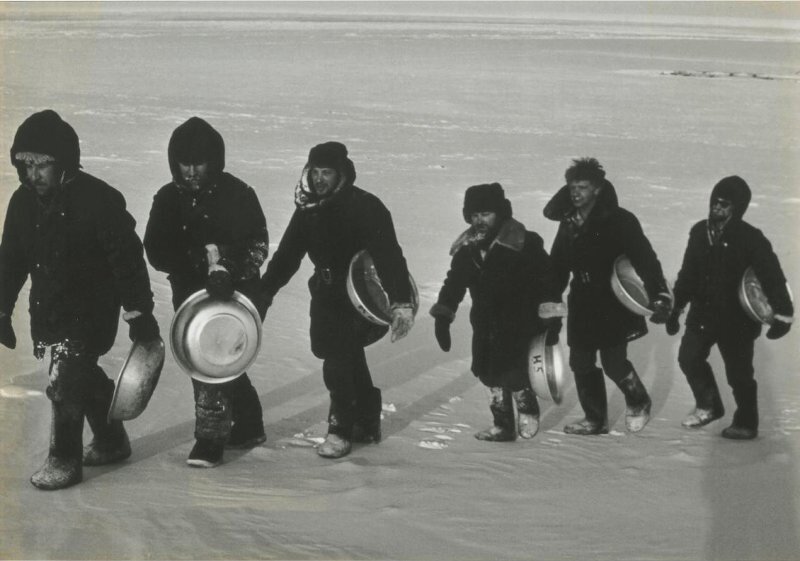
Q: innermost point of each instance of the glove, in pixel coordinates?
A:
(143, 327)
(673, 323)
(7, 336)
(442, 331)
(661, 309)
(777, 330)
(219, 284)
(553, 327)
(402, 321)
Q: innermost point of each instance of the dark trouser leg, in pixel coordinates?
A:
(591, 388)
(617, 366)
(737, 354)
(693, 361)
(367, 424)
(70, 372)
(501, 405)
(246, 413)
(110, 443)
(339, 375)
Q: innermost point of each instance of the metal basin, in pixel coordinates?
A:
(546, 369)
(137, 380)
(215, 341)
(366, 291)
(753, 300)
(629, 288)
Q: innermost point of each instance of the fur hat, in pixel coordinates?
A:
(332, 155)
(486, 197)
(46, 134)
(196, 142)
(734, 189)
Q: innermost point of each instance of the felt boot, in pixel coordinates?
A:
(110, 443)
(637, 401)
(502, 408)
(367, 426)
(591, 388)
(63, 466)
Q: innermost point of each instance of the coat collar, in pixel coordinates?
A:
(511, 235)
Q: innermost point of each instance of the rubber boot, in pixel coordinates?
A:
(110, 443)
(527, 413)
(64, 464)
(367, 426)
(591, 388)
(247, 429)
(338, 441)
(502, 408)
(637, 401)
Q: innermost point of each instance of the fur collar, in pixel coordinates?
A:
(511, 235)
(306, 199)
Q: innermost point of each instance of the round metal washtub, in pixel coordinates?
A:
(629, 288)
(366, 291)
(546, 369)
(137, 380)
(753, 300)
(215, 341)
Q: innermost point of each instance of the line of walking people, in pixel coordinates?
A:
(71, 234)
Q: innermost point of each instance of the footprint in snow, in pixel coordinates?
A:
(433, 444)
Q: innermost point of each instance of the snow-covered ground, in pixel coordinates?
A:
(427, 105)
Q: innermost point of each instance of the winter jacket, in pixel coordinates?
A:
(79, 246)
(712, 271)
(331, 234)
(596, 319)
(506, 288)
(182, 223)
(226, 213)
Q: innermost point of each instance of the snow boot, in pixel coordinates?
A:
(591, 388)
(110, 443)
(735, 432)
(367, 426)
(63, 466)
(527, 413)
(638, 403)
(206, 453)
(335, 446)
(247, 429)
(245, 436)
(502, 408)
(586, 427)
(701, 417)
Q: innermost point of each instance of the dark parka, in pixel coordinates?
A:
(226, 213)
(712, 271)
(506, 288)
(331, 234)
(79, 247)
(596, 318)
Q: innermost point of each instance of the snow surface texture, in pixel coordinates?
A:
(427, 106)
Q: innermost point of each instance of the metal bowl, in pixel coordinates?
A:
(215, 341)
(752, 298)
(137, 380)
(629, 288)
(546, 369)
(366, 291)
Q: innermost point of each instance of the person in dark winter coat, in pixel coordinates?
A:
(71, 233)
(720, 249)
(508, 275)
(333, 220)
(594, 231)
(207, 231)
